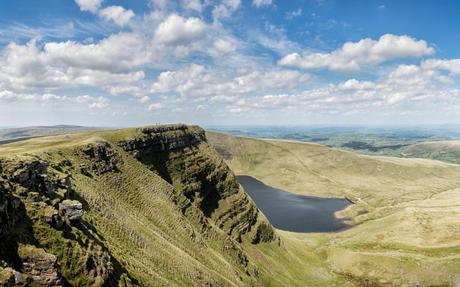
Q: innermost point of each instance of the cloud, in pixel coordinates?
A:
(155, 106)
(117, 53)
(63, 64)
(159, 4)
(195, 5)
(89, 5)
(260, 3)
(195, 81)
(114, 63)
(352, 56)
(168, 60)
(452, 66)
(225, 9)
(292, 14)
(135, 89)
(144, 100)
(225, 46)
(177, 30)
(52, 99)
(117, 14)
(405, 89)
(276, 39)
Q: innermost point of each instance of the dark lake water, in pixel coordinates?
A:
(292, 212)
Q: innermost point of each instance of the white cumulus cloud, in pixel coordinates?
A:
(52, 99)
(452, 65)
(89, 5)
(354, 55)
(179, 30)
(117, 14)
(196, 81)
(62, 64)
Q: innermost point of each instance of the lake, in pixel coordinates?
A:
(292, 212)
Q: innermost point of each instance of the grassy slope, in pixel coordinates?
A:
(448, 151)
(132, 213)
(37, 131)
(407, 209)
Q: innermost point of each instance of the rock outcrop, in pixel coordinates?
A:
(36, 199)
(162, 139)
(101, 158)
(72, 210)
(40, 266)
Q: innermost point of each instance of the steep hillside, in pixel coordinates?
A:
(406, 211)
(154, 206)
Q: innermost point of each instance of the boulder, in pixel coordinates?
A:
(102, 159)
(72, 210)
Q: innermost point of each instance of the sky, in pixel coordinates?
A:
(229, 62)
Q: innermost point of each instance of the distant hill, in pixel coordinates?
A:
(8, 135)
(448, 151)
(435, 142)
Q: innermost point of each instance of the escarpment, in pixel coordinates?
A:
(154, 206)
(182, 157)
(163, 139)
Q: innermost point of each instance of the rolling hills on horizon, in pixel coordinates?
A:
(440, 143)
(11, 134)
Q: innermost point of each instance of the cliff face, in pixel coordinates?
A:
(183, 158)
(154, 206)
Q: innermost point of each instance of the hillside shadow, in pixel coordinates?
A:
(21, 232)
(157, 162)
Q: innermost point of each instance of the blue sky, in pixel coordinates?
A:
(216, 62)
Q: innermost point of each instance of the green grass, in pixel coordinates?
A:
(155, 222)
(448, 151)
(140, 227)
(406, 211)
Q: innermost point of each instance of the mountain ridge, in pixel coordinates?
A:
(121, 190)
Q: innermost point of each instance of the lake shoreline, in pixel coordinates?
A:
(294, 212)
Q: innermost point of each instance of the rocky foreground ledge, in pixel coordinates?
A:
(100, 211)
